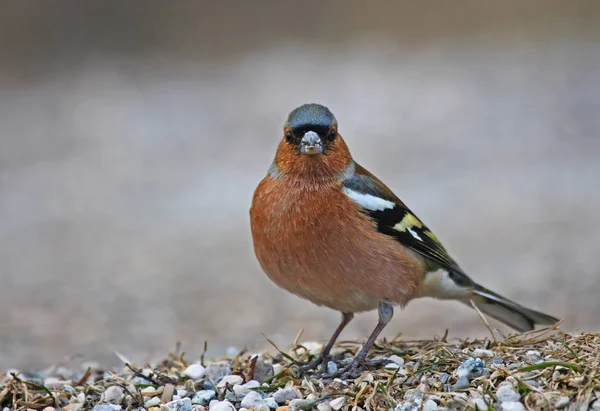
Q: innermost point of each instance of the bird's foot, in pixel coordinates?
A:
(354, 369)
(323, 361)
(351, 371)
(306, 366)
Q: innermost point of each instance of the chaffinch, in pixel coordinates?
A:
(327, 230)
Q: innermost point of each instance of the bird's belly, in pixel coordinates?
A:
(336, 260)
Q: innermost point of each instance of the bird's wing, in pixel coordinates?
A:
(394, 218)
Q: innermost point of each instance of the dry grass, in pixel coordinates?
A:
(542, 366)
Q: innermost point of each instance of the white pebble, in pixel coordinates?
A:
(285, 394)
(181, 392)
(513, 406)
(337, 403)
(251, 399)
(113, 395)
(195, 371)
(152, 402)
(506, 393)
(392, 366)
(148, 389)
(396, 359)
(271, 403)
(562, 402)
(323, 406)
(481, 353)
(54, 383)
(231, 380)
(222, 406)
(480, 403)
(277, 368)
(313, 347)
(81, 397)
(241, 390)
(430, 405)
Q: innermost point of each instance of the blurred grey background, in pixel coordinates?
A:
(132, 136)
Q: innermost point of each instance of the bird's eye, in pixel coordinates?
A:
(289, 136)
(332, 134)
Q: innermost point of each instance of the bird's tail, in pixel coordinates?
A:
(510, 313)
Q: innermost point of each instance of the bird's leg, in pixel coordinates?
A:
(386, 312)
(322, 358)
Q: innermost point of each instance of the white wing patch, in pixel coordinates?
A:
(438, 284)
(414, 234)
(368, 201)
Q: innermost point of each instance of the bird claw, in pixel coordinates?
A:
(355, 369)
(306, 366)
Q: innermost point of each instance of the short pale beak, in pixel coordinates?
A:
(311, 143)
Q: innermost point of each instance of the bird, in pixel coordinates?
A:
(329, 231)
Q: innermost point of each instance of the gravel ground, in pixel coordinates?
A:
(541, 370)
(133, 135)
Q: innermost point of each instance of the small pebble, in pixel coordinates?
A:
(243, 389)
(497, 360)
(462, 383)
(263, 370)
(562, 402)
(182, 392)
(323, 406)
(331, 367)
(195, 371)
(181, 405)
(271, 402)
(507, 393)
(533, 383)
(337, 403)
(480, 403)
(54, 383)
(107, 407)
(285, 394)
(512, 406)
(396, 359)
(251, 399)
(231, 380)
(595, 405)
(443, 377)
(113, 395)
(222, 406)
(430, 405)
(534, 356)
(167, 394)
(218, 370)
(203, 397)
(277, 368)
(152, 402)
(391, 366)
(313, 347)
(471, 368)
(480, 353)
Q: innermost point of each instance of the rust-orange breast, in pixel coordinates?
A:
(315, 242)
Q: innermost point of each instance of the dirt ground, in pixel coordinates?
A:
(132, 138)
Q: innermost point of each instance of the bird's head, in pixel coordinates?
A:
(311, 143)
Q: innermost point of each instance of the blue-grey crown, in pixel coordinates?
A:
(310, 116)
